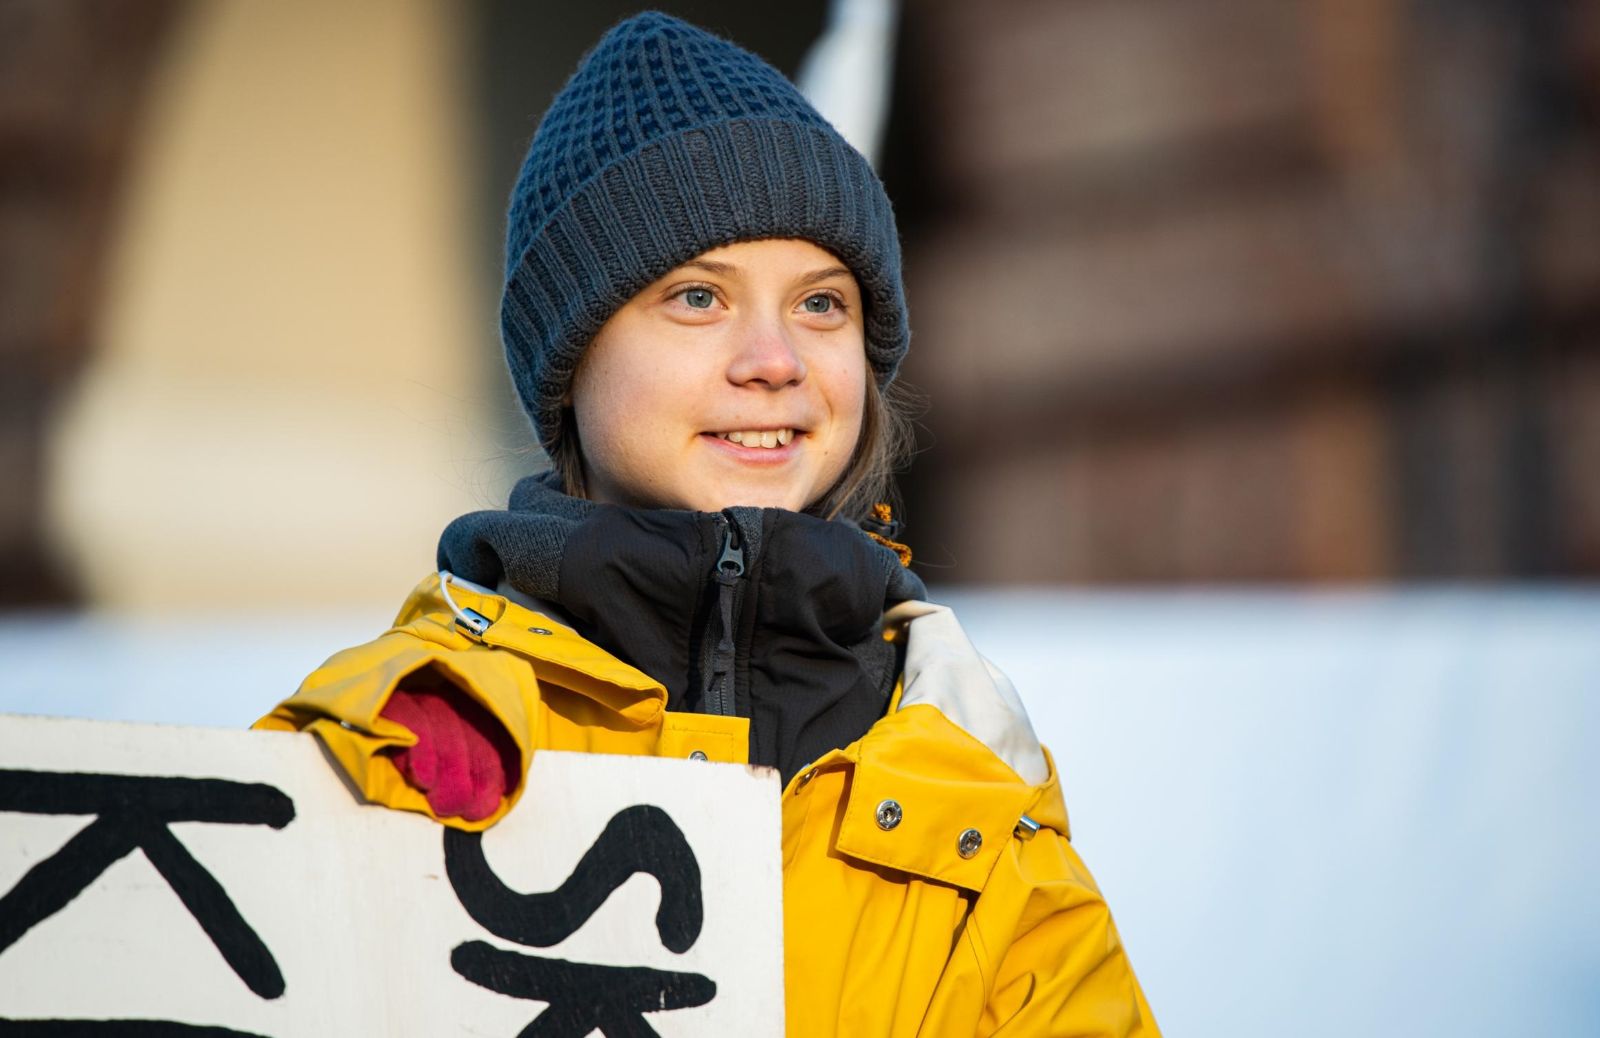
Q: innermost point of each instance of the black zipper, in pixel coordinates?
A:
(728, 574)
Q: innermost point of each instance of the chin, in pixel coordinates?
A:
(750, 497)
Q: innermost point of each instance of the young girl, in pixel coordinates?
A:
(702, 310)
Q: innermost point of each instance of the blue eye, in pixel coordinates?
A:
(820, 303)
(699, 298)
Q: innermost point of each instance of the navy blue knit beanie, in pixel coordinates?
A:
(666, 142)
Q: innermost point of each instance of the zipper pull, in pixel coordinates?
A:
(730, 565)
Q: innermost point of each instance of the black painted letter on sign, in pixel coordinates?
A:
(134, 812)
(582, 997)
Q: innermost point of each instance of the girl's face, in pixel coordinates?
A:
(737, 379)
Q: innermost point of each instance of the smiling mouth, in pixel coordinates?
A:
(768, 438)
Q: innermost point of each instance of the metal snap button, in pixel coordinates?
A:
(539, 630)
(889, 814)
(698, 755)
(969, 842)
(1026, 828)
(807, 777)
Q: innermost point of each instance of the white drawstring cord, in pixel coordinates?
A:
(471, 622)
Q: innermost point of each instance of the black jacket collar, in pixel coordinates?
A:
(809, 666)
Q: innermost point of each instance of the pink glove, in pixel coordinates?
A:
(464, 760)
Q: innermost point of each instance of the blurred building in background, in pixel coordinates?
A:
(1244, 290)
(71, 80)
(1253, 290)
(278, 366)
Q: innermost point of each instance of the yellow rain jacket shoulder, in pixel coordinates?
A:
(929, 885)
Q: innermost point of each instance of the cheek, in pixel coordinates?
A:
(614, 397)
(858, 402)
(848, 393)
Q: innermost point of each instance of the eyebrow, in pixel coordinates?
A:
(713, 266)
(823, 275)
(729, 270)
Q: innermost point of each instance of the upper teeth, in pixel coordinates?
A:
(760, 437)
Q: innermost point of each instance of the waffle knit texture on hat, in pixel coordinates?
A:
(666, 142)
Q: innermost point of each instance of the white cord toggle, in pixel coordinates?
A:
(472, 623)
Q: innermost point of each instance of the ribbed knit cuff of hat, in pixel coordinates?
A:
(673, 199)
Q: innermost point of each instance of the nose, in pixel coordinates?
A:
(766, 356)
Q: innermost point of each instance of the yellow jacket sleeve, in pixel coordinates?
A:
(341, 702)
(1065, 971)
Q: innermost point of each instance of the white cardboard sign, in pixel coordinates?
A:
(186, 881)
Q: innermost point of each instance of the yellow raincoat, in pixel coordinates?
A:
(929, 888)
